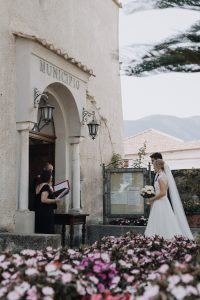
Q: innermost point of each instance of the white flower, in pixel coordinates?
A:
(22, 288)
(71, 251)
(198, 288)
(13, 296)
(50, 268)
(173, 280)
(31, 262)
(28, 252)
(130, 252)
(163, 269)
(2, 258)
(187, 278)
(49, 248)
(3, 290)
(179, 292)
(116, 280)
(80, 288)
(94, 279)
(151, 291)
(31, 271)
(66, 267)
(6, 275)
(66, 277)
(191, 290)
(48, 291)
(105, 257)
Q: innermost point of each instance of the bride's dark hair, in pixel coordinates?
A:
(159, 163)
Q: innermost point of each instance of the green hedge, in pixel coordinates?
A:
(188, 184)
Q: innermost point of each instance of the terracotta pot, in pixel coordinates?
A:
(194, 220)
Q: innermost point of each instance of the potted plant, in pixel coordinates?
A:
(116, 160)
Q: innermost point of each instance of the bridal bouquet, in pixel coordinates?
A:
(147, 191)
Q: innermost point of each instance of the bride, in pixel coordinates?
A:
(164, 221)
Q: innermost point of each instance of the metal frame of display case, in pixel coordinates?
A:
(107, 171)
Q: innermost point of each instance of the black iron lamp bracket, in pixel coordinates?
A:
(37, 97)
(86, 114)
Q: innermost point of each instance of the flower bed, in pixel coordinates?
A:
(130, 221)
(126, 268)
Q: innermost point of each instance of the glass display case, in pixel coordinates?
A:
(122, 188)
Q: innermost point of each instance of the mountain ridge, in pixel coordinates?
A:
(187, 128)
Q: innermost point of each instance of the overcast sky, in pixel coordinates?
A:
(174, 94)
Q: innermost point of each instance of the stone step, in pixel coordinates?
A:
(96, 232)
(14, 242)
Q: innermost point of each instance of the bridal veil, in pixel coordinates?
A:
(177, 204)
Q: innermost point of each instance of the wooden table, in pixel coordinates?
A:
(71, 220)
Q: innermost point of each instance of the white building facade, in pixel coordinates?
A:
(177, 153)
(65, 51)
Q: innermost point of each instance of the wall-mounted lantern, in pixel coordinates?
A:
(93, 126)
(46, 115)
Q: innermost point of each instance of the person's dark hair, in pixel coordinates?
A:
(45, 176)
(156, 155)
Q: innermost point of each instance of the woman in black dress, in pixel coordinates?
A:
(45, 204)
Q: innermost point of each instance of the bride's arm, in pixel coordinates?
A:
(163, 191)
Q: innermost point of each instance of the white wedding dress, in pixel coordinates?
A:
(162, 219)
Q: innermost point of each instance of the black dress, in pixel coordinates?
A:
(44, 213)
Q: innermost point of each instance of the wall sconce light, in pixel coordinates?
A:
(46, 115)
(93, 126)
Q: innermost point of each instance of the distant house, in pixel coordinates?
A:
(176, 152)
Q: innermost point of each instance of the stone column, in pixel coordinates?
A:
(75, 174)
(23, 170)
(24, 219)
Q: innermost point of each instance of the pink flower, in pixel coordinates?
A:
(96, 269)
(101, 287)
(96, 297)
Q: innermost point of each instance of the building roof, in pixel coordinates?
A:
(118, 3)
(50, 46)
(157, 141)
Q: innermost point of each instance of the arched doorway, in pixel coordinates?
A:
(55, 142)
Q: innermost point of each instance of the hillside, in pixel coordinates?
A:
(185, 128)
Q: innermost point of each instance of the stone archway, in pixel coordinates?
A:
(67, 137)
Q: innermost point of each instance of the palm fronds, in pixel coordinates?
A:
(141, 5)
(179, 54)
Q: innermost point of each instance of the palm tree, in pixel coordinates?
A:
(178, 54)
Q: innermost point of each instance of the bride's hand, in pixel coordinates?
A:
(149, 201)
